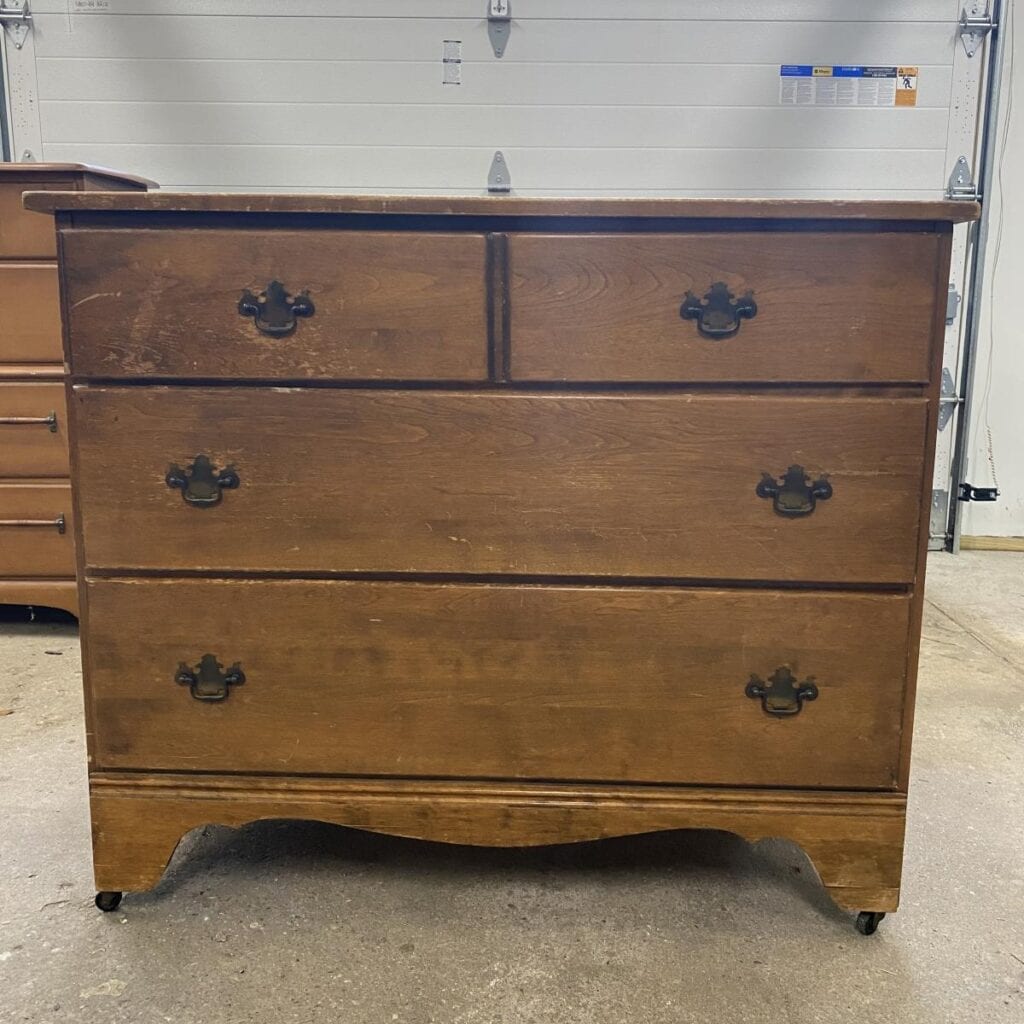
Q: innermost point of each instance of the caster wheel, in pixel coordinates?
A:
(108, 901)
(868, 921)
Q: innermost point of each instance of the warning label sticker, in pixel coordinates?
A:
(845, 85)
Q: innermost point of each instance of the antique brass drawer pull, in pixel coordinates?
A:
(795, 494)
(275, 310)
(60, 523)
(208, 680)
(202, 484)
(31, 421)
(783, 695)
(719, 313)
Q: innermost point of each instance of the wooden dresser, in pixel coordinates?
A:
(503, 521)
(37, 558)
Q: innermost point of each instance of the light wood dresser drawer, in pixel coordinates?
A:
(354, 305)
(30, 302)
(746, 306)
(434, 482)
(498, 681)
(504, 521)
(36, 530)
(33, 430)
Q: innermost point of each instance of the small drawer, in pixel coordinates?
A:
(759, 307)
(309, 305)
(618, 684)
(357, 480)
(25, 234)
(33, 430)
(36, 530)
(30, 305)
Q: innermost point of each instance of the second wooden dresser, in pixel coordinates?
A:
(503, 521)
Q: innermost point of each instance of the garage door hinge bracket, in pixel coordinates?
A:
(952, 305)
(499, 24)
(968, 492)
(949, 400)
(498, 178)
(16, 19)
(961, 182)
(975, 24)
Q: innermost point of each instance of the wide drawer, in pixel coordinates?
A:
(434, 482)
(29, 313)
(845, 307)
(621, 684)
(36, 530)
(380, 305)
(33, 430)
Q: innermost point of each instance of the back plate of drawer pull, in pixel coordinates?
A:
(795, 494)
(783, 695)
(275, 311)
(208, 681)
(719, 313)
(202, 484)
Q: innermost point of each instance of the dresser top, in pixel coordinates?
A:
(31, 169)
(947, 211)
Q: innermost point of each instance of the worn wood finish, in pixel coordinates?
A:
(387, 306)
(606, 307)
(519, 206)
(24, 234)
(61, 594)
(500, 483)
(30, 303)
(377, 679)
(855, 841)
(33, 449)
(36, 551)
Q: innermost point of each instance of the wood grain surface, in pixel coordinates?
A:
(387, 306)
(30, 330)
(829, 308)
(47, 593)
(362, 481)
(36, 551)
(854, 840)
(483, 681)
(32, 449)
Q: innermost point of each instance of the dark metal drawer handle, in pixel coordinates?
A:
(60, 523)
(208, 680)
(795, 494)
(202, 484)
(31, 421)
(719, 313)
(275, 310)
(782, 695)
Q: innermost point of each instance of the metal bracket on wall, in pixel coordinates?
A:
(939, 513)
(961, 182)
(499, 24)
(949, 400)
(498, 177)
(952, 305)
(16, 19)
(976, 22)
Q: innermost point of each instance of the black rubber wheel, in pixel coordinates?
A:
(108, 901)
(868, 921)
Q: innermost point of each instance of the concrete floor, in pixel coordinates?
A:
(285, 922)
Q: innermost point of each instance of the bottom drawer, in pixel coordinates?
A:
(36, 530)
(486, 681)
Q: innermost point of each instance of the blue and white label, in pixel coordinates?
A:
(839, 85)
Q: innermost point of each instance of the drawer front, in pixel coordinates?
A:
(355, 480)
(829, 307)
(30, 310)
(381, 305)
(619, 684)
(33, 430)
(25, 234)
(36, 530)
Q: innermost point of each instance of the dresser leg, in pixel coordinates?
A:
(108, 901)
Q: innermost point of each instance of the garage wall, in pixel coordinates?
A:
(680, 96)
